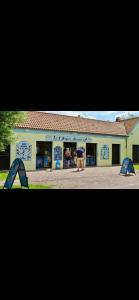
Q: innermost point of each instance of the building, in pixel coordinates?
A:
(42, 139)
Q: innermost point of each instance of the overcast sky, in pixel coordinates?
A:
(99, 115)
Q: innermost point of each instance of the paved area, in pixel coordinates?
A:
(91, 178)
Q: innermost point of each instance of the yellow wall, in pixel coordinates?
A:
(102, 140)
(33, 136)
(109, 141)
(28, 137)
(133, 139)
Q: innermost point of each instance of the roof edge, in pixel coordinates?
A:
(84, 132)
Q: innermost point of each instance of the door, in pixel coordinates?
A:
(5, 159)
(135, 154)
(72, 147)
(116, 154)
(91, 155)
(44, 155)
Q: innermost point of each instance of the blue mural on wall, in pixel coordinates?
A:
(104, 152)
(24, 151)
(58, 153)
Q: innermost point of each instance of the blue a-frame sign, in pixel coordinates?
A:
(17, 167)
(127, 167)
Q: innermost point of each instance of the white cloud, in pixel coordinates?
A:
(86, 114)
(127, 114)
(99, 115)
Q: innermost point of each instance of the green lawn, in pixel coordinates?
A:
(3, 176)
(136, 167)
(32, 187)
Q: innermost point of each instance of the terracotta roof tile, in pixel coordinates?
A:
(48, 121)
(130, 123)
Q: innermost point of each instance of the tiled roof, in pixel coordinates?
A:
(48, 121)
(130, 123)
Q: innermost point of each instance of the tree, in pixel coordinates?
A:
(8, 119)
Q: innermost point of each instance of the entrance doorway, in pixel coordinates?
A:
(72, 147)
(5, 159)
(91, 155)
(44, 155)
(115, 154)
(135, 154)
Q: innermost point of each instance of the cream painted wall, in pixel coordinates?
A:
(109, 141)
(133, 139)
(33, 136)
(102, 140)
(26, 137)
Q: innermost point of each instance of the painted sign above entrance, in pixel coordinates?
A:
(68, 138)
(24, 151)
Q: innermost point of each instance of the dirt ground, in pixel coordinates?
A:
(91, 178)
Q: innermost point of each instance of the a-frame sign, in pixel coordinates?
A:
(17, 167)
(127, 167)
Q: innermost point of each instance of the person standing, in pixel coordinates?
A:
(68, 156)
(80, 159)
(83, 157)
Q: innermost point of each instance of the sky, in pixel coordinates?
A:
(99, 115)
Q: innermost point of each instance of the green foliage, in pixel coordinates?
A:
(8, 119)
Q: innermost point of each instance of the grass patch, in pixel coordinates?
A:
(136, 167)
(3, 176)
(31, 187)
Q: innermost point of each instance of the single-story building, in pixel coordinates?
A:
(41, 141)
